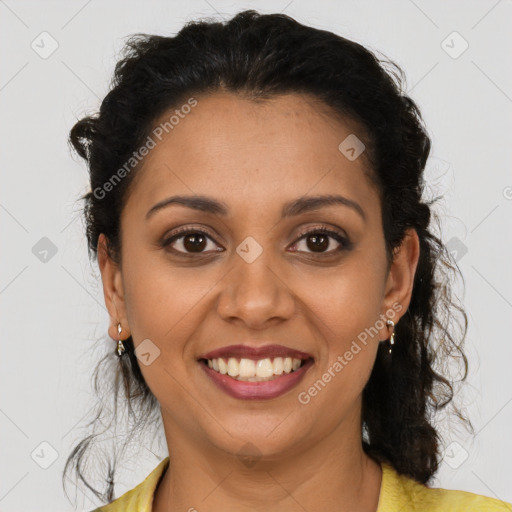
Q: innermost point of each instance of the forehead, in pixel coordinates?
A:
(246, 152)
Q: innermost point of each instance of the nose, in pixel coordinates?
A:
(256, 293)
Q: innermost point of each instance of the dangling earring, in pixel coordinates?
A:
(120, 346)
(392, 338)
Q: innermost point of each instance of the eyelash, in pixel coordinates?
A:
(345, 242)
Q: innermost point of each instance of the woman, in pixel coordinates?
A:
(273, 285)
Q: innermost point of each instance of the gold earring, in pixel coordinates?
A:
(392, 338)
(120, 346)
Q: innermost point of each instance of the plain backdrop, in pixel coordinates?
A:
(57, 59)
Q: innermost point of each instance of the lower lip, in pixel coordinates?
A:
(257, 390)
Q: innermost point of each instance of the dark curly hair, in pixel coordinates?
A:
(263, 56)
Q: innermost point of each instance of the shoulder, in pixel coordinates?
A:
(140, 498)
(402, 492)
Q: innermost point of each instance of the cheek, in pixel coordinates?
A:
(161, 305)
(349, 349)
(347, 299)
(345, 310)
(165, 305)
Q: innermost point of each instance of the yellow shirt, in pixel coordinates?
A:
(397, 493)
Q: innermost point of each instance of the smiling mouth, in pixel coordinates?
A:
(252, 370)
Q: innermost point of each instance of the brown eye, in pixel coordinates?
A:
(194, 242)
(188, 241)
(318, 240)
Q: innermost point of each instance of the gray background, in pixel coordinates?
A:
(51, 298)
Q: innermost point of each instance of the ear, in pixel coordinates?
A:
(400, 280)
(113, 291)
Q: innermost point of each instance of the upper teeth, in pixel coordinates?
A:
(250, 368)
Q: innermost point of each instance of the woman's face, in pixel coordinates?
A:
(252, 280)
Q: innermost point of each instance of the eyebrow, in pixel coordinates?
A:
(290, 209)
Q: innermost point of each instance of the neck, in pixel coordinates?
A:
(334, 472)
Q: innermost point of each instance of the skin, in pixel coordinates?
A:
(255, 157)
